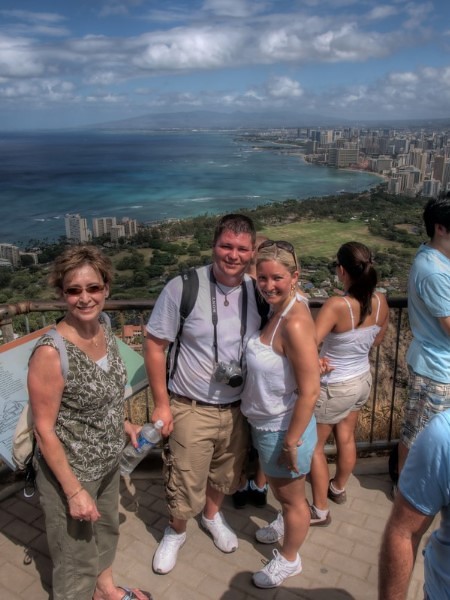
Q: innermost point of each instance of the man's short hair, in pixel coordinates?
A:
(437, 212)
(235, 223)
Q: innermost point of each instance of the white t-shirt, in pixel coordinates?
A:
(194, 376)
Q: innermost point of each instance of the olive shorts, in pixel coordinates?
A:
(80, 550)
(208, 445)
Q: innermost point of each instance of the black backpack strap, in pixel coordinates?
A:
(188, 297)
(262, 306)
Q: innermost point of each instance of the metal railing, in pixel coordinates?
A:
(379, 421)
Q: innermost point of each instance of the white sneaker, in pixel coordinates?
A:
(166, 554)
(222, 534)
(276, 571)
(273, 532)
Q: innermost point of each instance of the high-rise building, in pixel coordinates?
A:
(130, 226)
(76, 229)
(446, 176)
(102, 225)
(418, 159)
(10, 253)
(383, 163)
(342, 157)
(117, 231)
(431, 188)
(438, 167)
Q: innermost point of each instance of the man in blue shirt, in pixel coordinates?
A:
(424, 490)
(428, 356)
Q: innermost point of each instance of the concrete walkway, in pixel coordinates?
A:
(339, 561)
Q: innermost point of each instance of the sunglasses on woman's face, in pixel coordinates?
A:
(76, 290)
(287, 246)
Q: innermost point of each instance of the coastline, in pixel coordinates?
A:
(165, 177)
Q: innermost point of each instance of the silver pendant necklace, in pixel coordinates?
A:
(226, 294)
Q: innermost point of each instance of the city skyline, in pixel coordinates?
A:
(81, 63)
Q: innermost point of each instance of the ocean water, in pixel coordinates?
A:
(148, 176)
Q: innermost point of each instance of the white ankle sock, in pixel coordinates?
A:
(334, 489)
(291, 563)
(254, 487)
(321, 513)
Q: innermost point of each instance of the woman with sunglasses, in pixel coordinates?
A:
(348, 326)
(80, 432)
(282, 386)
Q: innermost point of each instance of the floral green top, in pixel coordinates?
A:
(90, 422)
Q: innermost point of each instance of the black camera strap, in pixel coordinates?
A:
(215, 319)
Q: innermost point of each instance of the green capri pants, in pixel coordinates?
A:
(79, 550)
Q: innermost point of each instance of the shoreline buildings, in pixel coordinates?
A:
(414, 162)
(77, 229)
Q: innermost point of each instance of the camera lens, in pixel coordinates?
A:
(235, 381)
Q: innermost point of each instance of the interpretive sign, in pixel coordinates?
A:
(14, 357)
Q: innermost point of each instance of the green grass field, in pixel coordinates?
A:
(323, 238)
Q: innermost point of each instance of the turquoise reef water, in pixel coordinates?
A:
(148, 176)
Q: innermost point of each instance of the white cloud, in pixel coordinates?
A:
(33, 17)
(382, 11)
(18, 58)
(199, 48)
(403, 78)
(215, 37)
(417, 14)
(39, 91)
(425, 91)
(103, 78)
(118, 7)
(105, 99)
(34, 23)
(234, 8)
(284, 87)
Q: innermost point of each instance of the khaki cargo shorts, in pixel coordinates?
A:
(208, 445)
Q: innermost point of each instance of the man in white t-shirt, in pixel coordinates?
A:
(208, 434)
(428, 356)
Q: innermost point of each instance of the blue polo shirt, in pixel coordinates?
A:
(428, 299)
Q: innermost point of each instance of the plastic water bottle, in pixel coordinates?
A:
(149, 436)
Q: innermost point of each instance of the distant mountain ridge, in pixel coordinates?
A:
(206, 119)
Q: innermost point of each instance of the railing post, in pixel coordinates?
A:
(7, 330)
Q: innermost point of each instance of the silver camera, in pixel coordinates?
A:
(230, 373)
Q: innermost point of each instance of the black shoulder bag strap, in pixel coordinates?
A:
(188, 297)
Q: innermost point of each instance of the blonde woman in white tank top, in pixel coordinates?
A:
(347, 327)
(281, 389)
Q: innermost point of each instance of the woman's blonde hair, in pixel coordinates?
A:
(280, 251)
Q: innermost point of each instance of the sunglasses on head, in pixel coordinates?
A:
(76, 290)
(287, 246)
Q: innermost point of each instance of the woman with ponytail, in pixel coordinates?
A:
(348, 326)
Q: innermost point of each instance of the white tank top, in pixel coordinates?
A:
(348, 352)
(270, 389)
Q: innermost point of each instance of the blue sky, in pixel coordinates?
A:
(75, 62)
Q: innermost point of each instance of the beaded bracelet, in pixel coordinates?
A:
(69, 498)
